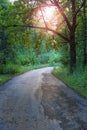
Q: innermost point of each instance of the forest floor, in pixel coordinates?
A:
(36, 100)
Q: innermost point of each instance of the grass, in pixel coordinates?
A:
(4, 78)
(77, 80)
(19, 70)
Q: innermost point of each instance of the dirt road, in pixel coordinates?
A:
(37, 100)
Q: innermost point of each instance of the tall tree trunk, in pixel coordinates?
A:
(84, 30)
(3, 45)
(72, 52)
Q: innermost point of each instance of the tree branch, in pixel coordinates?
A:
(43, 17)
(56, 3)
(43, 28)
(80, 7)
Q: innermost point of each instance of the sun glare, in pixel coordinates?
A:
(12, 1)
(48, 15)
(48, 12)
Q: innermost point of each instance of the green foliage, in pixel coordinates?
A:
(77, 80)
(22, 48)
(54, 58)
(4, 78)
(9, 68)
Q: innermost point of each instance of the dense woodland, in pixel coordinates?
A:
(28, 41)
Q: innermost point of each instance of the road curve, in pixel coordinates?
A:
(37, 100)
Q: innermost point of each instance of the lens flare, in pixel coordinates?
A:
(12, 1)
(48, 15)
(48, 12)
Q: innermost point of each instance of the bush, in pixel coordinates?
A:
(9, 69)
(54, 58)
(43, 58)
(23, 59)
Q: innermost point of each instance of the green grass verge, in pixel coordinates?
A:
(17, 71)
(77, 80)
(4, 78)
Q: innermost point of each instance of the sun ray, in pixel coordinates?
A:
(48, 16)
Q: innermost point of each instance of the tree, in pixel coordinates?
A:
(8, 17)
(69, 14)
(84, 29)
(68, 9)
(3, 8)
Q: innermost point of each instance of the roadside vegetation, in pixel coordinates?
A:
(76, 81)
(4, 78)
(20, 70)
(26, 45)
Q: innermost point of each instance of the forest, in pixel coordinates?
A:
(40, 33)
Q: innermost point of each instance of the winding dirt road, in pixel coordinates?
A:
(37, 100)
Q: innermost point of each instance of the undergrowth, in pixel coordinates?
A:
(77, 80)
